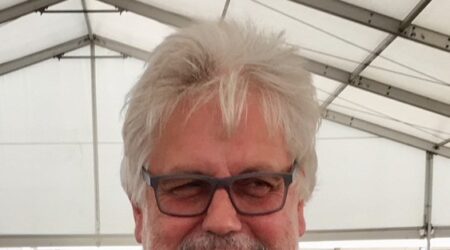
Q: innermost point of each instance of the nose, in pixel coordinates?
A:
(221, 217)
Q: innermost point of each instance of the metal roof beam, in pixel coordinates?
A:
(24, 8)
(121, 48)
(390, 38)
(381, 22)
(151, 12)
(379, 88)
(388, 133)
(378, 50)
(354, 13)
(43, 55)
(87, 20)
(442, 232)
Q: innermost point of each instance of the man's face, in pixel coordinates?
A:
(200, 145)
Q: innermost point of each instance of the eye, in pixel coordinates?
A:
(258, 186)
(184, 188)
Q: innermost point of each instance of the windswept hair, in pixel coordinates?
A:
(227, 61)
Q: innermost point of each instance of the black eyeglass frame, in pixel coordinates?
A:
(218, 183)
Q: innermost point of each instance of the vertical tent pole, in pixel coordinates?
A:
(428, 198)
(94, 126)
(95, 142)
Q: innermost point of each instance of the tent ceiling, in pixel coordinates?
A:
(318, 34)
(304, 30)
(151, 12)
(392, 81)
(436, 10)
(21, 8)
(392, 114)
(424, 71)
(402, 28)
(202, 10)
(48, 30)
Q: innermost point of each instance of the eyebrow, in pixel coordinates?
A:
(187, 172)
(181, 169)
(187, 169)
(256, 168)
(265, 169)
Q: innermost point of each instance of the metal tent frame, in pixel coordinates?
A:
(396, 28)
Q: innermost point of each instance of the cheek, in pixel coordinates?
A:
(274, 229)
(166, 232)
(278, 230)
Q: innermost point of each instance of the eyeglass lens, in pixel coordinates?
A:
(250, 195)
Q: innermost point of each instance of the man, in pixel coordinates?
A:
(219, 141)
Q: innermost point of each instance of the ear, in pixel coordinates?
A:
(301, 219)
(139, 221)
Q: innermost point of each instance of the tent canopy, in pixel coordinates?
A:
(382, 78)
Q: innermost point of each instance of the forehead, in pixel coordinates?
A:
(200, 142)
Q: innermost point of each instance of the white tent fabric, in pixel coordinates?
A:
(364, 175)
(441, 199)
(60, 121)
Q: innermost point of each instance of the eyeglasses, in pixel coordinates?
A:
(188, 195)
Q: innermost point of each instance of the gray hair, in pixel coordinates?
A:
(226, 60)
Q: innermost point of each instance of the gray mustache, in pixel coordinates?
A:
(209, 241)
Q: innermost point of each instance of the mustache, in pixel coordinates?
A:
(210, 241)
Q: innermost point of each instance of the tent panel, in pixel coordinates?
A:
(342, 63)
(97, 5)
(435, 16)
(413, 67)
(67, 5)
(324, 87)
(49, 102)
(130, 28)
(46, 154)
(358, 185)
(46, 189)
(35, 32)
(441, 189)
(8, 3)
(116, 215)
(196, 9)
(114, 79)
(100, 51)
(314, 31)
(392, 114)
(397, 9)
(333, 131)
(86, 51)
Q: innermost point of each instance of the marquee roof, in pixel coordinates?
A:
(382, 78)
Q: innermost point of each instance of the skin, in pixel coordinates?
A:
(201, 145)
